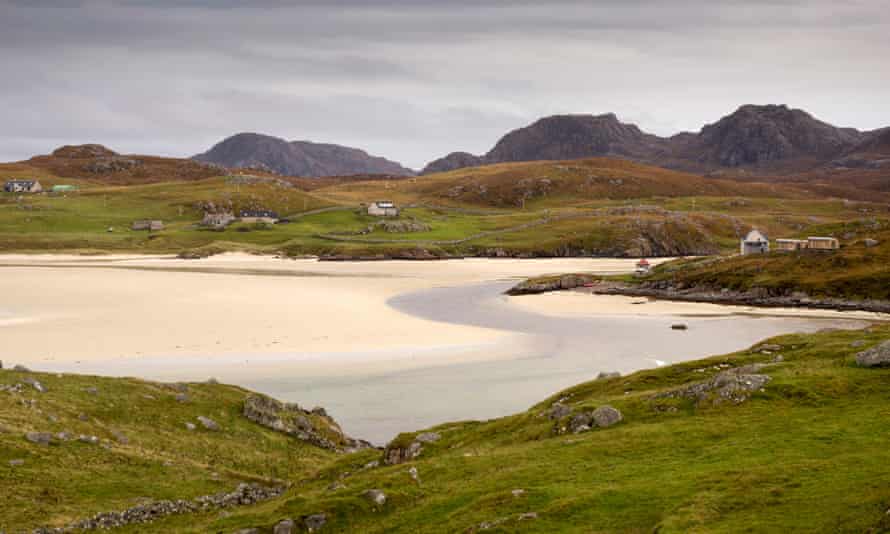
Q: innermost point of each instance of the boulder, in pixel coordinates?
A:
(16, 462)
(208, 423)
(428, 437)
(285, 526)
(182, 397)
(558, 410)
(375, 496)
(415, 476)
(91, 390)
(878, 356)
(605, 375)
(605, 416)
(871, 242)
(398, 454)
(35, 384)
(92, 440)
(314, 522)
(679, 326)
(20, 368)
(41, 438)
(190, 426)
(528, 516)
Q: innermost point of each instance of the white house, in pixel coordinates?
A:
(23, 186)
(754, 243)
(383, 208)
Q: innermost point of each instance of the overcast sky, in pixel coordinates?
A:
(414, 79)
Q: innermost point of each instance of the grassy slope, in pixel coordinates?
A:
(704, 213)
(854, 272)
(807, 454)
(71, 480)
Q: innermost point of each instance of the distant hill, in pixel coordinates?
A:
(760, 139)
(566, 183)
(98, 163)
(296, 158)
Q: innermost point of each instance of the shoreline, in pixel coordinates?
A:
(592, 284)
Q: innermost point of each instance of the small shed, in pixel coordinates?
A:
(754, 243)
(823, 243)
(791, 244)
(643, 267)
(258, 216)
(383, 208)
(23, 186)
(151, 226)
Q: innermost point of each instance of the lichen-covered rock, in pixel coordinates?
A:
(395, 454)
(315, 427)
(878, 356)
(375, 496)
(428, 437)
(734, 385)
(40, 438)
(558, 410)
(285, 526)
(208, 423)
(606, 416)
(314, 522)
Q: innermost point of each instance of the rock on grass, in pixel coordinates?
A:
(878, 356)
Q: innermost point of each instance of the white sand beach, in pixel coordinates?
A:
(60, 308)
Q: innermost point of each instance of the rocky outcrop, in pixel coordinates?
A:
(543, 285)
(297, 158)
(601, 417)
(878, 356)
(315, 427)
(244, 494)
(667, 290)
(732, 386)
(398, 453)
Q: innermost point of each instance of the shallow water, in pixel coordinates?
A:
(376, 394)
(553, 353)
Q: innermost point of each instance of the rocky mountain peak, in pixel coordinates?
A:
(296, 158)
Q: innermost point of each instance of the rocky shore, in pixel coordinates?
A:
(760, 297)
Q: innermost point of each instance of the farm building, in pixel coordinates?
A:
(218, 220)
(23, 186)
(754, 243)
(791, 244)
(643, 267)
(823, 243)
(258, 216)
(62, 188)
(383, 208)
(151, 226)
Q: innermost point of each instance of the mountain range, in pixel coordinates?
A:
(760, 139)
(296, 158)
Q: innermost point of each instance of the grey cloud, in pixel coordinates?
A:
(414, 79)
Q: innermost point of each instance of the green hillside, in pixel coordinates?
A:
(590, 207)
(795, 444)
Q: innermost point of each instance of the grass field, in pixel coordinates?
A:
(807, 453)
